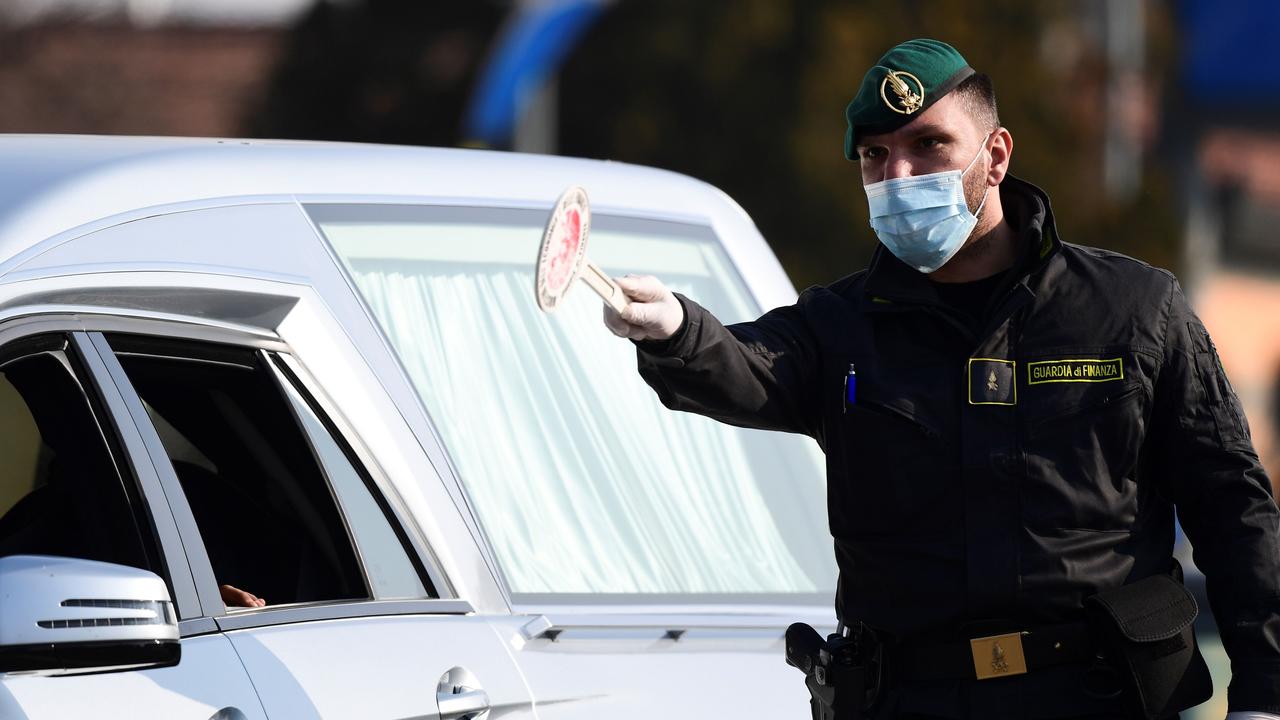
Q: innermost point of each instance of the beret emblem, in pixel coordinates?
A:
(906, 89)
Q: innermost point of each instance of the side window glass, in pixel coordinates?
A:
(62, 491)
(265, 512)
(285, 513)
(390, 570)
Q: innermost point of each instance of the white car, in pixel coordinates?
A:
(316, 373)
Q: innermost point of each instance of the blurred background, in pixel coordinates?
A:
(1154, 126)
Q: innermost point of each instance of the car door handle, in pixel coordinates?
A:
(460, 696)
(465, 705)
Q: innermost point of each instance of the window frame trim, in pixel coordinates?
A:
(150, 484)
(271, 616)
(190, 540)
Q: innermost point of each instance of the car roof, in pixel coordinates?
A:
(50, 184)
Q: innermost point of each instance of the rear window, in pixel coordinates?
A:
(582, 481)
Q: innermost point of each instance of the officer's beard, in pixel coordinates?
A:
(975, 189)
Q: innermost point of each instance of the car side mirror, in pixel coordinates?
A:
(62, 616)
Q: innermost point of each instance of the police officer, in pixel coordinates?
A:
(1010, 422)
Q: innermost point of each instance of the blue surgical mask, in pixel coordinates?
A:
(924, 219)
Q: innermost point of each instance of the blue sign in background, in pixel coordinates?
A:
(1231, 52)
(531, 49)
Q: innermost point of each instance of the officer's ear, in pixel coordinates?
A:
(1001, 147)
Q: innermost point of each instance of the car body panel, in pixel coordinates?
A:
(376, 667)
(685, 663)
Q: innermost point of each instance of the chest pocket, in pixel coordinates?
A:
(896, 461)
(1082, 436)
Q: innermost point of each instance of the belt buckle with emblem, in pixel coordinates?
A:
(998, 656)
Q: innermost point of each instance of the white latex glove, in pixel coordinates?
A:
(1249, 715)
(654, 312)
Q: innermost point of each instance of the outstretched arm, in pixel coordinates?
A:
(757, 374)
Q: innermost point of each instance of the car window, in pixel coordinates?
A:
(390, 570)
(582, 481)
(266, 513)
(62, 489)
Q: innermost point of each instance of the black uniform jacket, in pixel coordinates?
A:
(1012, 471)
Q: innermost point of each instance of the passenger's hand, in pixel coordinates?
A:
(654, 312)
(233, 596)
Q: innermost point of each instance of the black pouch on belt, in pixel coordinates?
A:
(1146, 634)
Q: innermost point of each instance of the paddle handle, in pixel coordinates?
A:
(604, 286)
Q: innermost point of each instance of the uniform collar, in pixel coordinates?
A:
(891, 281)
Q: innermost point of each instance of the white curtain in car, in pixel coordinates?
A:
(583, 481)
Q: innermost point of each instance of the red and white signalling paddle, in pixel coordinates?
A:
(562, 256)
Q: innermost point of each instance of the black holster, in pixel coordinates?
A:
(1148, 645)
(842, 673)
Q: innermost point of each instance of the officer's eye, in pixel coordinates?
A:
(872, 153)
(930, 143)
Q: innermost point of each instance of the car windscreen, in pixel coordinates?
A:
(585, 485)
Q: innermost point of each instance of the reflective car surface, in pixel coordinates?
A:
(315, 374)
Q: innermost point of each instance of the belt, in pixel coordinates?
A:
(997, 656)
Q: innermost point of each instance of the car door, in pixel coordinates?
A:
(287, 508)
(76, 481)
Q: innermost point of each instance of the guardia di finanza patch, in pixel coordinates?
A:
(1074, 370)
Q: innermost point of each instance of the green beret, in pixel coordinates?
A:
(908, 79)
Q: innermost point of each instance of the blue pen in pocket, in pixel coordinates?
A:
(850, 388)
